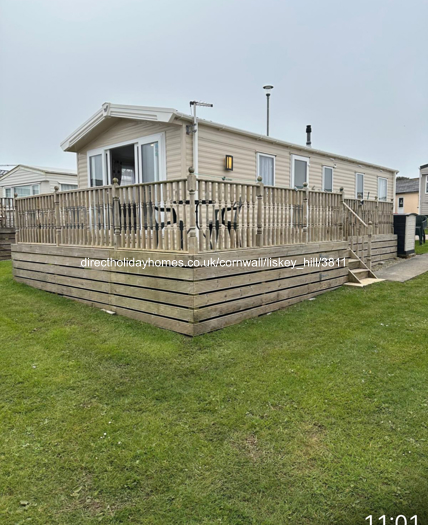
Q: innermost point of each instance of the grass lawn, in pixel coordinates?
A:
(313, 415)
(421, 248)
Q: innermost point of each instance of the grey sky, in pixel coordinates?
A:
(356, 71)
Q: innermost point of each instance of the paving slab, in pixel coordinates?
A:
(405, 270)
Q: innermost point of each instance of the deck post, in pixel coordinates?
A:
(305, 228)
(342, 215)
(16, 218)
(369, 245)
(191, 188)
(259, 233)
(116, 213)
(57, 217)
(376, 224)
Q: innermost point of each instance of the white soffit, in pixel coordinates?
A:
(101, 120)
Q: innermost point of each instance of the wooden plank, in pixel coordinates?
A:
(101, 253)
(184, 274)
(172, 285)
(161, 322)
(210, 272)
(222, 309)
(103, 297)
(229, 294)
(222, 322)
(260, 276)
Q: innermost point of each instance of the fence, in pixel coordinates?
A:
(379, 213)
(7, 213)
(191, 215)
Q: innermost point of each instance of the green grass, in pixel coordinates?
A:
(421, 248)
(316, 414)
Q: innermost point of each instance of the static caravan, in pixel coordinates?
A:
(143, 144)
(221, 209)
(423, 190)
(33, 180)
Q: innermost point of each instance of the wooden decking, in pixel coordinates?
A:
(192, 299)
(212, 237)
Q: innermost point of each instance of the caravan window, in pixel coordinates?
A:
(299, 171)
(136, 161)
(23, 191)
(359, 185)
(382, 189)
(327, 179)
(266, 168)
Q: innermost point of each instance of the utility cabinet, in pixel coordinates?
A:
(404, 228)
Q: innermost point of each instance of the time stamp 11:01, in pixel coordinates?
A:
(396, 520)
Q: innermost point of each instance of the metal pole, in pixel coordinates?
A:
(195, 141)
(267, 122)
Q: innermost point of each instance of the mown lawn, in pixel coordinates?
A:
(313, 415)
(421, 248)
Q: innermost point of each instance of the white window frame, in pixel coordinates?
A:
(23, 186)
(93, 153)
(356, 183)
(426, 183)
(105, 156)
(305, 159)
(75, 186)
(378, 188)
(323, 178)
(260, 154)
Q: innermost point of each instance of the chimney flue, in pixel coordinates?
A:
(308, 135)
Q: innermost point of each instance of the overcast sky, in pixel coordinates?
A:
(356, 71)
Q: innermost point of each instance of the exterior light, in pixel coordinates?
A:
(229, 163)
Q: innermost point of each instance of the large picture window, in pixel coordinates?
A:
(266, 168)
(137, 161)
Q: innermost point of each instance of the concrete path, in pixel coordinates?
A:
(405, 270)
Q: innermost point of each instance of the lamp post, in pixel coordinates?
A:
(267, 88)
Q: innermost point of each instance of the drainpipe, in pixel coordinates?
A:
(394, 210)
(195, 141)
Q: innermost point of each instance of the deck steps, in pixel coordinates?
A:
(359, 274)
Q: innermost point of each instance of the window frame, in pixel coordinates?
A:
(305, 159)
(104, 151)
(378, 188)
(260, 154)
(426, 184)
(356, 183)
(32, 186)
(75, 186)
(323, 178)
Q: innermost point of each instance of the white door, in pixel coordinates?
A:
(400, 204)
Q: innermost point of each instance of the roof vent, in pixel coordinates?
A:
(308, 135)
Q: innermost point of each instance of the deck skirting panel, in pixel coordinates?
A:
(186, 299)
(7, 238)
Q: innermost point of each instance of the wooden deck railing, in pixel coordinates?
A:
(188, 215)
(7, 212)
(379, 213)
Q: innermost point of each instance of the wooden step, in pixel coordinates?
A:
(361, 273)
(353, 264)
(365, 282)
